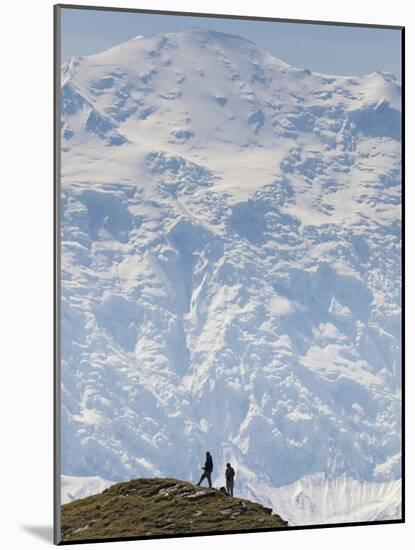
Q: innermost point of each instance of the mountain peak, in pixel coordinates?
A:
(225, 276)
(192, 41)
(213, 34)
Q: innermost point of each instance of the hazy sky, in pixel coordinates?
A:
(327, 49)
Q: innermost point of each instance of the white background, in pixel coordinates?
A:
(26, 296)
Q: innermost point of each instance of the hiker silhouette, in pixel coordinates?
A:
(207, 470)
(230, 476)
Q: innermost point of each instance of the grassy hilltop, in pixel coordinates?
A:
(161, 506)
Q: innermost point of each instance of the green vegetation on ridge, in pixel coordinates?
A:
(161, 506)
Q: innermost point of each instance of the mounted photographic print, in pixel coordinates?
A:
(228, 341)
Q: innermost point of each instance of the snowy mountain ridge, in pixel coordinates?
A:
(230, 265)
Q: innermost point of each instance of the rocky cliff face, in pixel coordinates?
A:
(231, 233)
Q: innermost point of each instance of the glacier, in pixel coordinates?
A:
(231, 273)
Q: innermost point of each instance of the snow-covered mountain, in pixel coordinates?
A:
(231, 237)
(315, 499)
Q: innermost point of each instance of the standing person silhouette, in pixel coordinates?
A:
(230, 476)
(207, 469)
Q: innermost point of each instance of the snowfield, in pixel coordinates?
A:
(231, 274)
(317, 500)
